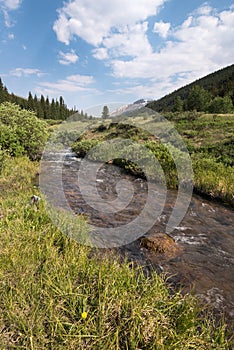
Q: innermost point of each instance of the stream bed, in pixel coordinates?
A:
(200, 257)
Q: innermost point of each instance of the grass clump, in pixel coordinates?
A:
(213, 178)
(56, 294)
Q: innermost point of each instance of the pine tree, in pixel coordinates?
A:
(57, 110)
(198, 99)
(30, 102)
(178, 105)
(53, 110)
(47, 108)
(1, 91)
(43, 106)
(221, 105)
(105, 112)
(62, 109)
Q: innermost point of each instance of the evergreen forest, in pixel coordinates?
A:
(43, 107)
(213, 93)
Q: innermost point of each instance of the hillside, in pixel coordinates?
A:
(217, 84)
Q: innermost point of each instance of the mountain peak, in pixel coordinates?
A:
(130, 107)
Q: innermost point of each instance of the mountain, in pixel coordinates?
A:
(130, 107)
(219, 83)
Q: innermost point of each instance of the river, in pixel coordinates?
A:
(199, 257)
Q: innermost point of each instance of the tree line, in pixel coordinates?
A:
(213, 93)
(201, 100)
(42, 106)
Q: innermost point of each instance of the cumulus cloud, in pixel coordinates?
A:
(131, 41)
(162, 28)
(201, 44)
(67, 58)
(203, 10)
(94, 21)
(120, 34)
(19, 72)
(100, 53)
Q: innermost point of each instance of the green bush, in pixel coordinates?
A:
(82, 147)
(21, 132)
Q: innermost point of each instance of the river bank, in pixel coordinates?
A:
(53, 295)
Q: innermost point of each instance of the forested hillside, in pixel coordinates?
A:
(42, 106)
(213, 93)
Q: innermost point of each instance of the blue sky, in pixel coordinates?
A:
(98, 52)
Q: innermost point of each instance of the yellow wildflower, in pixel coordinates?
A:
(84, 315)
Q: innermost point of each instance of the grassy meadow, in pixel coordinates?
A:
(56, 294)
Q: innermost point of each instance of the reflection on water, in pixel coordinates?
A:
(204, 262)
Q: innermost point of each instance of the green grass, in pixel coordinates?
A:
(211, 135)
(47, 281)
(209, 140)
(213, 178)
(136, 154)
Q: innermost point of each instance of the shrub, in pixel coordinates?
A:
(82, 147)
(21, 132)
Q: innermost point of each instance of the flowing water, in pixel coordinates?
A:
(203, 261)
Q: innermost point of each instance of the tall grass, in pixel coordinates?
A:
(56, 294)
(213, 178)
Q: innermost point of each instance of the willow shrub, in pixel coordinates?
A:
(21, 132)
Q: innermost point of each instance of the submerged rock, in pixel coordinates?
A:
(161, 243)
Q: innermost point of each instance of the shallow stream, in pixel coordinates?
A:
(204, 259)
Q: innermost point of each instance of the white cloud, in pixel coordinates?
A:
(100, 53)
(94, 21)
(7, 19)
(132, 41)
(19, 72)
(73, 83)
(6, 6)
(162, 28)
(119, 33)
(202, 44)
(11, 4)
(153, 89)
(203, 10)
(68, 57)
(11, 36)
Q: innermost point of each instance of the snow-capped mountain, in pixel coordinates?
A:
(130, 107)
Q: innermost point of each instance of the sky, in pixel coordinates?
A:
(99, 52)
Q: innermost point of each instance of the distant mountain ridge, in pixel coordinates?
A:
(130, 107)
(219, 83)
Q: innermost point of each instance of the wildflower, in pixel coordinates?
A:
(84, 315)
